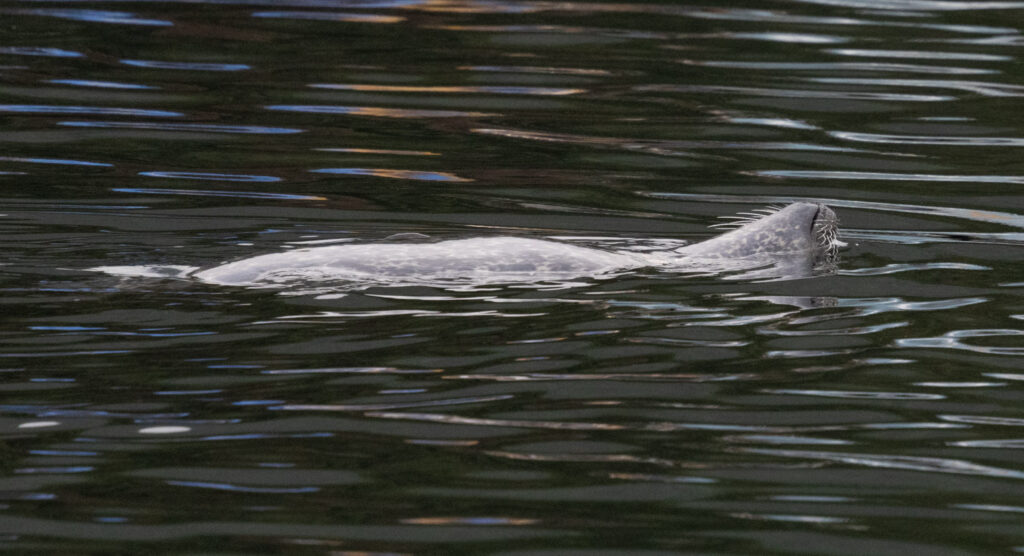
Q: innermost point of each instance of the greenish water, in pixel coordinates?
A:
(873, 411)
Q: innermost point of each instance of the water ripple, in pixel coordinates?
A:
(920, 55)
(473, 520)
(794, 93)
(791, 518)
(393, 173)
(585, 458)
(397, 405)
(896, 268)
(990, 508)
(984, 420)
(13, 354)
(193, 66)
(204, 128)
(539, 69)
(211, 176)
(99, 110)
(960, 384)
(852, 395)
(99, 84)
(874, 306)
(786, 17)
(39, 51)
(784, 440)
(376, 111)
(352, 370)
(238, 488)
(848, 331)
(504, 90)
(346, 17)
(354, 150)
(909, 463)
(954, 340)
(978, 87)
(838, 67)
(95, 16)
(212, 193)
(630, 377)
(919, 5)
(457, 420)
(57, 161)
(1005, 444)
(662, 147)
(929, 139)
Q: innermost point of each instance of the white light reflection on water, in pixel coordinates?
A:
(196, 127)
(376, 111)
(504, 90)
(215, 193)
(97, 110)
(211, 176)
(954, 340)
(95, 16)
(982, 88)
(329, 16)
(847, 394)
(908, 463)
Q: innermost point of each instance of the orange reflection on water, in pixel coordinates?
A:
(489, 520)
(414, 113)
(377, 151)
(418, 175)
(492, 89)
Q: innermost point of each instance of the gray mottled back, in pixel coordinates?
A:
(474, 260)
(778, 243)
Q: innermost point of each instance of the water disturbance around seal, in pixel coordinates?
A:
(796, 241)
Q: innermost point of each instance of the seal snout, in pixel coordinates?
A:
(825, 232)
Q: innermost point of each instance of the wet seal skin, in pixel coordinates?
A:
(796, 241)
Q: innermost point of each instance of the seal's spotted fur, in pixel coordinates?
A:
(794, 240)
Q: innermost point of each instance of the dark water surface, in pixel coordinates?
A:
(875, 411)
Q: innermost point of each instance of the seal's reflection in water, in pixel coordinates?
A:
(797, 241)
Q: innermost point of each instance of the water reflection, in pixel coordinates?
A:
(475, 418)
(39, 51)
(97, 110)
(393, 173)
(935, 465)
(100, 84)
(195, 127)
(210, 176)
(94, 16)
(214, 193)
(55, 161)
(330, 16)
(840, 67)
(509, 90)
(188, 66)
(377, 111)
(920, 55)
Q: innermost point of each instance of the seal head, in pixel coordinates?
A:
(799, 227)
(800, 239)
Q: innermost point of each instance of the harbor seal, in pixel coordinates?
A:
(796, 241)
